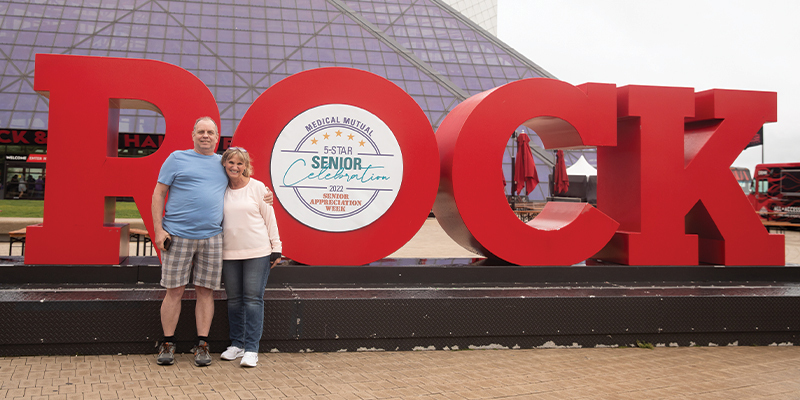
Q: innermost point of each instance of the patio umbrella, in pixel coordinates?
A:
(560, 177)
(524, 166)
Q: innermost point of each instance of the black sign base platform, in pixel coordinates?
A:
(411, 305)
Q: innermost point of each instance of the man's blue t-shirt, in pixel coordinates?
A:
(196, 189)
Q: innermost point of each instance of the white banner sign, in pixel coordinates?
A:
(336, 168)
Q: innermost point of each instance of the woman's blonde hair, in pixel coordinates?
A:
(243, 155)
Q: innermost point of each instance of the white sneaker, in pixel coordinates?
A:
(250, 359)
(232, 353)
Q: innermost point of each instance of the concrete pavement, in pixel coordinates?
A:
(605, 373)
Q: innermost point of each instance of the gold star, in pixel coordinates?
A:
(350, 137)
(325, 136)
(338, 133)
(361, 143)
(313, 141)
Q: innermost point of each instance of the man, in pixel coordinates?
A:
(190, 235)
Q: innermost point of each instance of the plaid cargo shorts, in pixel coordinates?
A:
(205, 255)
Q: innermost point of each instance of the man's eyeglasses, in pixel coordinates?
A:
(242, 149)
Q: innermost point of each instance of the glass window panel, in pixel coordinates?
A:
(172, 46)
(305, 15)
(225, 36)
(174, 32)
(338, 30)
(7, 101)
(155, 46)
(343, 57)
(135, 31)
(242, 50)
(189, 61)
(260, 66)
(276, 52)
(379, 70)
(325, 55)
(63, 40)
(146, 125)
(137, 44)
(259, 38)
(410, 73)
(106, 15)
(49, 25)
(71, 13)
(273, 13)
(239, 110)
(101, 42)
(39, 121)
(241, 64)
(225, 78)
(258, 25)
(430, 88)
(98, 52)
(291, 40)
(355, 43)
(205, 74)
(25, 38)
(20, 119)
(52, 11)
(172, 58)
(359, 57)
(89, 14)
(227, 23)
(158, 19)
(391, 58)
(30, 24)
(290, 27)
(140, 17)
(85, 27)
(223, 93)
(190, 47)
(306, 27)
(191, 20)
(489, 83)
(505, 59)
(175, 7)
(308, 53)
(7, 36)
(498, 72)
(472, 83)
(258, 51)
(413, 87)
(5, 118)
(477, 58)
(213, 9)
(226, 10)
(157, 32)
(208, 21)
(241, 36)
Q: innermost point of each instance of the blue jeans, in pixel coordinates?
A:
(245, 281)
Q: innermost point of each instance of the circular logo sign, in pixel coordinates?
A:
(336, 167)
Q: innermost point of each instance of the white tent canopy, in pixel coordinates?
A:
(582, 167)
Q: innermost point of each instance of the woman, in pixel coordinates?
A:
(250, 248)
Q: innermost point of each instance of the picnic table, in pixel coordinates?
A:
(141, 235)
(527, 211)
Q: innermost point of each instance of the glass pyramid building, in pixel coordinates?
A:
(240, 48)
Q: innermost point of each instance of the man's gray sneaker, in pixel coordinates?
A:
(166, 354)
(201, 355)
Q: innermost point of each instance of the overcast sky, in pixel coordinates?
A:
(704, 44)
